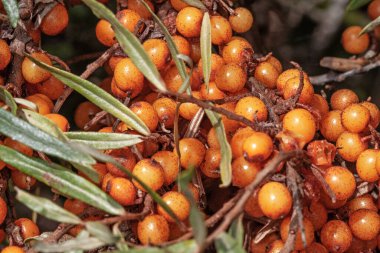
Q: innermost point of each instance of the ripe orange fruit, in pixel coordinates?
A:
(275, 200)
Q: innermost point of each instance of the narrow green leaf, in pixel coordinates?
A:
(226, 244)
(100, 231)
(37, 139)
(370, 26)
(97, 96)
(11, 8)
(205, 41)
(236, 230)
(8, 99)
(29, 104)
(46, 207)
(71, 245)
(196, 3)
(225, 149)
(130, 44)
(104, 140)
(356, 4)
(188, 246)
(59, 178)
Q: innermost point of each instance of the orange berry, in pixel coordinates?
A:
(352, 42)
(342, 98)
(229, 125)
(212, 93)
(18, 147)
(287, 75)
(341, 181)
(210, 167)
(327, 201)
(52, 88)
(123, 156)
(230, 77)
(55, 21)
(331, 125)
(301, 123)
(252, 108)
(12, 249)
(188, 110)
(291, 87)
(158, 52)
(192, 152)
(235, 50)
(177, 203)
(128, 18)
(146, 113)
(150, 172)
(262, 246)
(243, 172)
(5, 54)
(355, 118)
(182, 45)
(216, 63)
(374, 9)
(350, 146)
(128, 77)
(84, 113)
(258, 147)
(195, 54)
(75, 206)
(31, 72)
(22, 180)
(366, 165)
(178, 4)
(27, 227)
(189, 22)
(252, 207)
(315, 247)
(122, 190)
(267, 74)
(137, 6)
(316, 212)
(374, 113)
(275, 200)
(104, 33)
(309, 233)
(242, 20)
(336, 236)
(43, 103)
(361, 202)
(169, 163)
(173, 79)
(221, 31)
(61, 122)
(238, 139)
(165, 109)
(319, 104)
(365, 224)
(275, 246)
(276, 63)
(3, 210)
(153, 229)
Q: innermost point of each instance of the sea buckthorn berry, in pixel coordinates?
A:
(361, 202)
(216, 63)
(61, 122)
(242, 20)
(178, 4)
(43, 103)
(189, 22)
(275, 246)
(231, 78)
(150, 148)
(358, 245)
(355, 118)
(128, 18)
(374, 113)
(122, 190)
(146, 113)
(128, 77)
(27, 227)
(364, 224)
(252, 108)
(327, 201)
(52, 88)
(341, 181)
(106, 179)
(287, 75)
(238, 139)
(31, 72)
(12, 249)
(235, 50)
(321, 153)
(188, 110)
(301, 123)
(212, 139)
(252, 207)
(100, 169)
(178, 203)
(3, 210)
(350, 146)
(22, 180)
(158, 52)
(316, 212)
(243, 172)
(366, 165)
(153, 229)
(210, 167)
(18, 147)
(309, 233)
(267, 74)
(182, 45)
(374, 9)
(173, 79)
(75, 206)
(342, 98)
(193, 189)
(212, 93)
(195, 54)
(165, 109)
(331, 125)
(352, 42)
(262, 246)
(291, 87)
(221, 31)
(275, 200)
(192, 152)
(319, 104)
(229, 125)
(137, 6)
(315, 248)
(150, 172)
(84, 113)
(104, 33)
(113, 61)
(258, 147)
(5, 54)
(123, 156)
(336, 236)
(55, 21)
(116, 91)
(169, 163)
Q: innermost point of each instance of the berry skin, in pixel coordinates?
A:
(309, 233)
(374, 9)
(165, 108)
(275, 246)
(252, 208)
(216, 63)
(177, 203)
(366, 165)
(192, 152)
(27, 227)
(331, 125)
(267, 74)
(153, 229)
(12, 249)
(195, 53)
(221, 31)
(189, 22)
(173, 79)
(252, 108)
(243, 172)
(178, 4)
(327, 201)
(319, 104)
(31, 72)
(22, 180)
(122, 190)
(182, 45)
(301, 123)
(84, 113)
(52, 88)
(374, 113)
(128, 77)
(5, 54)
(55, 21)
(242, 20)
(146, 113)
(43, 103)
(287, 75)
(188, 110)
(336, 236)
(238, 139)
(364, 224)
(315, 248)
(137, 6)
(150, 172)
(291, 87)
(350, 146)
(230, 78)
(75, 206)
(275, 200)
(169, 163)
(128, 18)
(104, 33)
(3, 210)
(210, 167)
(158, 52)
(316, 213)
(352, 42)
(61, 122)
(258, 147)
(213, 92)
(341, 181)
(342, 98)
(233, 51)
(355, 118)
(361, 202)
(123, 156)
